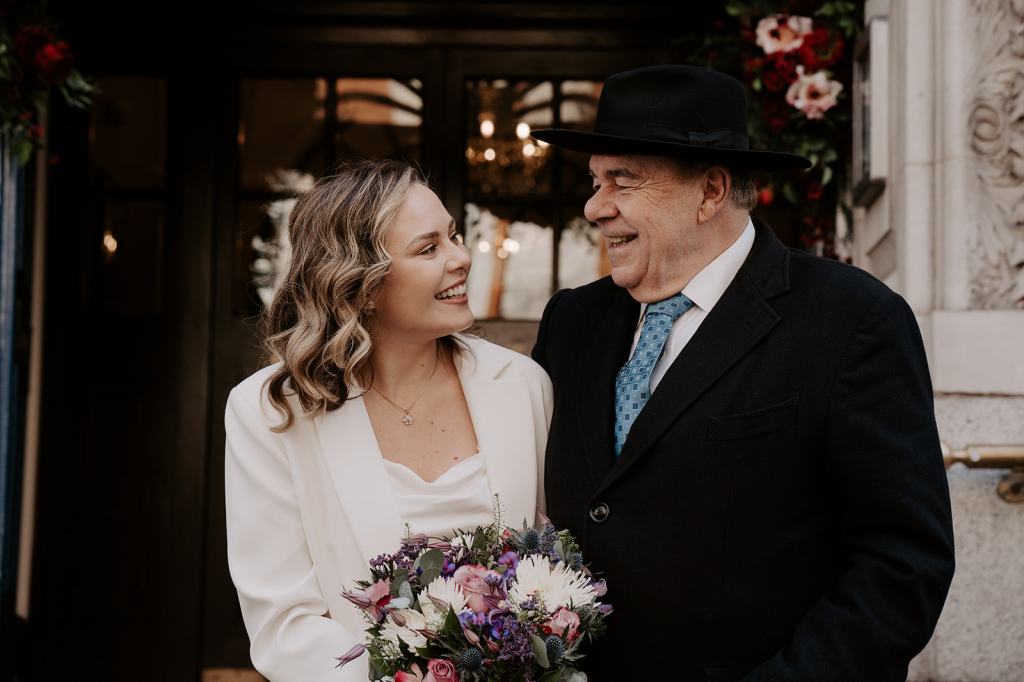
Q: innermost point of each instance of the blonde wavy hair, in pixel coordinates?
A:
(317, 325)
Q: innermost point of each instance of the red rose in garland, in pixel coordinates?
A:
(820, 49)
(54, 62)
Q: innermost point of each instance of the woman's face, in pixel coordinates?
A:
(424, 294)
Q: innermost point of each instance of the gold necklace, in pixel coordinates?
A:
(406, 417)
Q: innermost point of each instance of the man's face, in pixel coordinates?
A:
(646, 210)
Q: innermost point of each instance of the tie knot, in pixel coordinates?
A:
(673, 306)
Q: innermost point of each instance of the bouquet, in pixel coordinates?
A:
(496, 603)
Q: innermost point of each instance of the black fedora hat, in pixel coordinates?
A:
(673, 110)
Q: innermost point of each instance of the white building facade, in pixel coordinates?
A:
(947, 233)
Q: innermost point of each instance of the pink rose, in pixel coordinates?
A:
(813, 94)
(564, 623)
(473, 581)
(781, 33)
(442, 670)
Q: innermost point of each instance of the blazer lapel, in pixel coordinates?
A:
(356, 467)
(740, 319)
(503, 420)
(605, 348)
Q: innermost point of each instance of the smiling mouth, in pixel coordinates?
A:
(616, 242)
(452, 292)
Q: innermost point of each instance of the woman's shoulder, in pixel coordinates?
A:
(501, 361)
(249, 398)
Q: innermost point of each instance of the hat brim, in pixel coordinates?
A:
(598, 143)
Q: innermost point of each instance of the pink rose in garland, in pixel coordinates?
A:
(781, 33)
(813, 94)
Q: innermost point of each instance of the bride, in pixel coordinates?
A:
(377, 416)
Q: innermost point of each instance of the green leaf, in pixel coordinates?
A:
(540, 651)
(401, 576)
(429, 575)
(790, 194)
(452, 627)
(432, 558)
(405, 591)
(826, 175)
(756, 85)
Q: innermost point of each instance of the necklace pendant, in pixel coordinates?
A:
(407, 419)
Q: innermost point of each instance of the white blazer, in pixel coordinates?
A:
(307, 509)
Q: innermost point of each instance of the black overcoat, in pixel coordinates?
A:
(780, 509)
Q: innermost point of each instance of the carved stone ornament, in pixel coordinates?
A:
(996, 136)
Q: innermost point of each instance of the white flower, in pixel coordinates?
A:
(412, 620)
(779, 33)
(443, 590)
(555, 587)
(814, 94)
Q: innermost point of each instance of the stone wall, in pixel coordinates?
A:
(948, 234)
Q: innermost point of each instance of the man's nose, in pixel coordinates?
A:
(599, 207)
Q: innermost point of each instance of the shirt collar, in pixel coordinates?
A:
(708, 285)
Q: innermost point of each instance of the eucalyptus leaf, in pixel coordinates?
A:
(432, 558)
(401, 576)
(429, 575)
(405, 591)
(540, 651)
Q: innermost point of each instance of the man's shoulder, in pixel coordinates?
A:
(842, 284)
(595, 293)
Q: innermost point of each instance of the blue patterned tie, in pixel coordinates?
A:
(633, 383)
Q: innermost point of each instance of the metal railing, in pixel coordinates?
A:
(1011, 486)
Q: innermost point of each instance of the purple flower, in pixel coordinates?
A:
(351, 655)
(510, 559)
(467, 618)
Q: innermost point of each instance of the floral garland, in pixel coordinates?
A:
(794, 58)
(33, 62)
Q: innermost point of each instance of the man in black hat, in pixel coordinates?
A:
(743, 438)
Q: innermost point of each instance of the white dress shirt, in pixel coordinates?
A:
(706, 287)
(458, 499)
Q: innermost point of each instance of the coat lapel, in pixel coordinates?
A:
(503, 420)
(605, 343)
(740, 319)
(357, 470)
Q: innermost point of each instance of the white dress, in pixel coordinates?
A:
(460, 498)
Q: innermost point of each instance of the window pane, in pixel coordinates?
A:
(501, 157)
(379, 118)
(282, 126)
(131, 248)
(578, 110)
(582, 252)
(127, 132)
(511, 273)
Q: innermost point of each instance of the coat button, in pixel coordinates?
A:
(599, 512)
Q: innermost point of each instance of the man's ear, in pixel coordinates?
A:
(715, 186)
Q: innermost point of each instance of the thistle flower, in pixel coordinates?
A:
(555, 648)
(471, 659)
